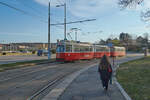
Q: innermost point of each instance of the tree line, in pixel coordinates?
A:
(135, 44)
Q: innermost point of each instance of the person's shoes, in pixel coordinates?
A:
(104, 87)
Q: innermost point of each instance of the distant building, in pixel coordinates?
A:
(25, 46)
(9, 47)
(1, 46)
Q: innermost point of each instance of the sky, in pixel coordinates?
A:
(32, 26)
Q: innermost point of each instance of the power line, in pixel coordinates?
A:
(59, 27)
(22, 11)
(29, 14)
(74, 22)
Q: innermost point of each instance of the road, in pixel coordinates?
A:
(12, 59)
(20, 84)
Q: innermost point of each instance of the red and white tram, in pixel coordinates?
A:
(71, 51)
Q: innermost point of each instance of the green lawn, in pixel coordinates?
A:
(4, 67)
(134, 76)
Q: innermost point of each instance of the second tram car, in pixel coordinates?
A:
(100, 50)
(117, 51)
(71, 51)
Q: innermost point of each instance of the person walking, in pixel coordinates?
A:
(105, 71)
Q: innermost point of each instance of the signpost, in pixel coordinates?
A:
(113, 58)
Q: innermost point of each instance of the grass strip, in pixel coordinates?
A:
(4, 67)
(134, 76)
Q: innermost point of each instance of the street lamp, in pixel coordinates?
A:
(64, 19)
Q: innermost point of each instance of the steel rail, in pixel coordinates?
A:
(28, 72)
(51, 83)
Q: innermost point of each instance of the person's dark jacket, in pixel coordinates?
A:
(105, 74)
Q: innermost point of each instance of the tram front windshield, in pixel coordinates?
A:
(60, 48)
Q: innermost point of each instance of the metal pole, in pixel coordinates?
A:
(49, 45)
(75, 35)
(113, 61)
(65, 22)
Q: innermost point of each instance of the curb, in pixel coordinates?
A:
(60, 88)
(123, 92)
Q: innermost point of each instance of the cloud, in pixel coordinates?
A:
(45, 2)
(87, 8)
(146, 3)
(92, 8)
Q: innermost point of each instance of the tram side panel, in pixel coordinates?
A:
(117, 51)
(86, 52)
(86, 55)
(99, 51)
(71, 56)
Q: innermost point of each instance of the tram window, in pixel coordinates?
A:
(90, 49)
(68, 48)
(122, 49)
(106, 49)
(81, 49)
(86, 49)
(60, 48)
(112, 49)
(103, 49)
(76, 49)
(98, 49)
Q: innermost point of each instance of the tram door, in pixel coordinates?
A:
(60, 51)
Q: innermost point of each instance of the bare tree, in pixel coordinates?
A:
(145, 15)
(129, 3)
(146, 35)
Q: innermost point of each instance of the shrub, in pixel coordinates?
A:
(53, 51)
(4, 53)
(33, 52)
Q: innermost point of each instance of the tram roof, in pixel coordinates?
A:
(80, 43)
(119, 47)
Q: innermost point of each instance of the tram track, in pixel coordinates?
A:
(36, 83)
(28, 71)
(51, 83)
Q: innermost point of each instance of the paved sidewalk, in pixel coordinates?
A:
(87, 86)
